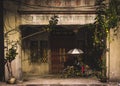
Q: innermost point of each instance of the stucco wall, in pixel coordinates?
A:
(56, 5)
(68, 11)
(64, 19)
(12, 20)
(114, 61)
(11, 26)
(29, 68)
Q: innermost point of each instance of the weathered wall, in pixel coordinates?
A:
(12, 20)
(43, 19)
(29, 68)
(11, 23)
(64, 19)
(59, 3)
(69, 11)
(56, 5)
(114, 60)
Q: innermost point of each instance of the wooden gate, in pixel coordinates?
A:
(58, 57)
(60, 43)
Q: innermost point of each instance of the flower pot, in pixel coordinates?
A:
(12, 80)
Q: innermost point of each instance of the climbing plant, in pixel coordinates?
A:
(53, 22)
(107, 17)
(101, 30)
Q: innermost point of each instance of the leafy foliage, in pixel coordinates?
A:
(11, 54)
(113, 13)
(101, 29)
(53, 22)
(107, 18)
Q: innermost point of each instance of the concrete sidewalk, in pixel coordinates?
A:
(62, 82)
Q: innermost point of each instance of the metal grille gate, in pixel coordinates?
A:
(58, 57)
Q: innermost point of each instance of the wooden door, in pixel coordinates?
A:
(60, 44)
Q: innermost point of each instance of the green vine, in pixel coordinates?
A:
(107, 18)
(11, 52)
(100, 25)
(53, 22)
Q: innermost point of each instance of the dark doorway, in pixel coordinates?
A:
(61, 41)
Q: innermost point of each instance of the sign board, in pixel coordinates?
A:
(64, 19)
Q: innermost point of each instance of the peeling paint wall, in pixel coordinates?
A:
(12, 20)
(55, 4)
(11, 31)
(34, 68)
(64, 19)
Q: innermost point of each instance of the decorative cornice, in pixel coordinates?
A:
(55, 12)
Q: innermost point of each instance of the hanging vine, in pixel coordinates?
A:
(107, 17)
(100, 25)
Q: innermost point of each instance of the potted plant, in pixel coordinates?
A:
(11, 52)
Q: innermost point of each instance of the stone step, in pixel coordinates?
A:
(66, 85)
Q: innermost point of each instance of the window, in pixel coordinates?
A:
(38, 51)
(43, 50)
